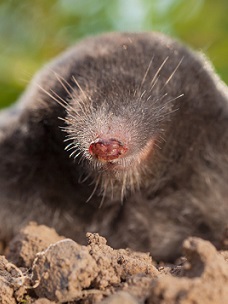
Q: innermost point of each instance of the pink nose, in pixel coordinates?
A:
(107, 149)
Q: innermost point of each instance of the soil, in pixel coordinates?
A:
(42, 267)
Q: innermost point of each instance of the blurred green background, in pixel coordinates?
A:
(33, 31)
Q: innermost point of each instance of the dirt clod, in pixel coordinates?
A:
(205, 278)
(63, 270)
(32, 239)
(57, 270)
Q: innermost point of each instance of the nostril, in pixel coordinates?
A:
(107, 149)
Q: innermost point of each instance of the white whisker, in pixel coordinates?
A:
(65, 106)
(159, 69)
(173, 73)
(61, 79)
(80, 88)
(94, 189)
(146, 73)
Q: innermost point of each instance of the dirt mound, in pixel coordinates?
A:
(42, 268)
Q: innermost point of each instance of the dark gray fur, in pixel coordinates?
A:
(180, 189)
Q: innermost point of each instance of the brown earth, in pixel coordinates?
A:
(42, 267)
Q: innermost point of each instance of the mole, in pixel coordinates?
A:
(124, 134)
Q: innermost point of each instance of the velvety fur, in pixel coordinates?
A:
(160, 98)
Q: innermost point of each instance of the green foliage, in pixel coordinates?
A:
(32, 32)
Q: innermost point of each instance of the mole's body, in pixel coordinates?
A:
(145, 122)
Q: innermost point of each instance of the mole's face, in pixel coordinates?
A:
(116, 112)
(116, 136)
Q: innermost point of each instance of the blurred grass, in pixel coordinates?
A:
(32, 32)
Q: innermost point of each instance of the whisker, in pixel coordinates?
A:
(143, 93)
(159, 69)
(157, 146)
(69, 138)
(82, 106)
(80, 180)
(69, 145)
(103, 198)
(75, 151)
(112, 193)
(65, 106)
(167, 114)
(70, 148)
(94, 189)
(63, 119)
(158, 99)
(64, 102)
(54, 98)
(146, 73)
(160, 139)
(154, 83)
(160, 109)
(80, 88)
(76, 156)
(179, 96)
(104, 191)
(123, 187)
(173, 73)
(60, 98)
(149, 97)
(61, 79)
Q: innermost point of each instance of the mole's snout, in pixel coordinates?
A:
(107, 149)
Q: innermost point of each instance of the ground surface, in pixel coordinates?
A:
(42, 267)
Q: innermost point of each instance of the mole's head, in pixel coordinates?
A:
(118, 105)
(115, 132)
